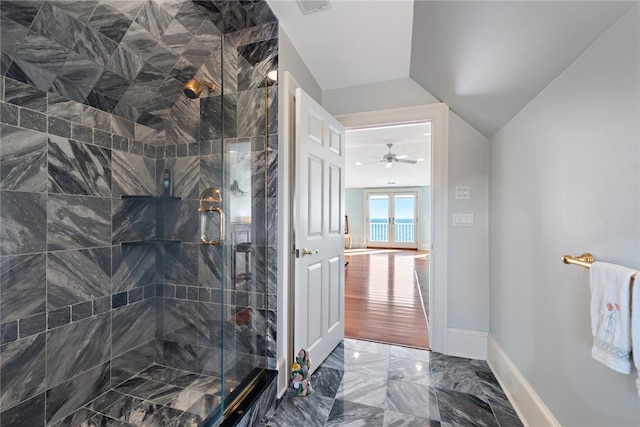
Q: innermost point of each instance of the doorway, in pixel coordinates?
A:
(392, 219)
(438, 115)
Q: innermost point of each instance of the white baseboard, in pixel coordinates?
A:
(467, 343)
(530, 408)
(283, 380)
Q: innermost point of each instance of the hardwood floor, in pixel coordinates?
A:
(382, 300)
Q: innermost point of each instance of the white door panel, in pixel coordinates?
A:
(319, 232)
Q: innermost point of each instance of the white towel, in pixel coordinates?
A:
(611, 315)
(635, 326)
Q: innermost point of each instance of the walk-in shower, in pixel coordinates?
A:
(137, 211)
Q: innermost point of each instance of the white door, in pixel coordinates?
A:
(392, 219)
(319, 233)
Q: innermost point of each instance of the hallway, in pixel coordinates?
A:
(383, 300)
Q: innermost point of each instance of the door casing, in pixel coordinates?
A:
(438, 114)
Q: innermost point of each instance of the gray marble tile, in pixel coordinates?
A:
(110, 22)
(185, 175)
(181, 264)
(373, 364)
(22, 286)
(133, 267)
(25, 96)
(411, 353)
(309, 411)
(79, 9)
(176, 37)
(54, 23)
(179, 355)
(22, 370)
(456, 374)
(79, 418)
(153, 18)
(396, 419)
(179, 321)
(182, 121)
(8, 332)
(59, 127)
(162, 58)
(26, 414)
(191, 16)
(364, 389)
(23, 225)
(23, 157)
(129, 8)
(96, 119)
(77, 347)
(112, 85)
(32, 325)
(79, 71)
(152, 414)
(211, 171)
(113, 403)
(156, 392)
(413, 371)
(131, 362)
(461, 408)
(78, 222)
(124, 63)
(8, 114)
(64, 108)
(187, 420)
(133, 175)
(122, 127)
(133, 220)
(32, 120)
(132, 325)
(78, 168)
(22, 11)
(413, 399)
(345, 413)
(71, 395)
(139, 41)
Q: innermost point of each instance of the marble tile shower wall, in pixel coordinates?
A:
(75, 306)
(90, 110)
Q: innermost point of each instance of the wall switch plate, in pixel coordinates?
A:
(463, 220)
(463, 192)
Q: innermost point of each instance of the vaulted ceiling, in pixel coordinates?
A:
(485, 59)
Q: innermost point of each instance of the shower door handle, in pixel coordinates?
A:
(203, 216)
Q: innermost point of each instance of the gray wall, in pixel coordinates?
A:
(354, 208)
(565, 178)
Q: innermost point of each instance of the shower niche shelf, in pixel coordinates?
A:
(152, 241)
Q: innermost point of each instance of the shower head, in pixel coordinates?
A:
(193, 88)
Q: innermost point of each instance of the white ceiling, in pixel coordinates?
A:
(485, 59)
(367, 147)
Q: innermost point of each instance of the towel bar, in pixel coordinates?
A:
(584, 260)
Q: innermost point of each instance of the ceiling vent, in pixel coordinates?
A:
(312, 6)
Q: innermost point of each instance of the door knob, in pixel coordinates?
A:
(305, 252)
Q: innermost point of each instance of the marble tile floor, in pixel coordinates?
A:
(370, 384)
(156, 397)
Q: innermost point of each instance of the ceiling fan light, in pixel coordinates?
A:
(388, 165)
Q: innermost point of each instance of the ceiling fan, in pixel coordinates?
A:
(389, 158)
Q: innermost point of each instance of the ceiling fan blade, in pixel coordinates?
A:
(370, 163)
(402, 156)
(411, 162)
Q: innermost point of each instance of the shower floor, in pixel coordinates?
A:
(158, 396)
